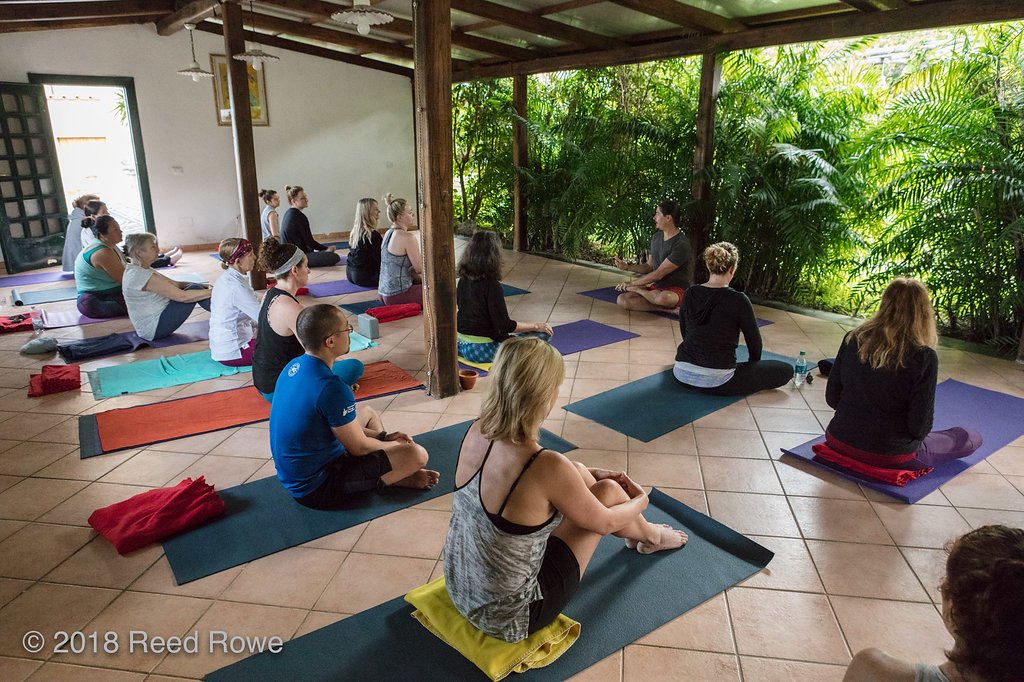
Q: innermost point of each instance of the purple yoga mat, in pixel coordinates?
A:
(335, 288)
(190, 332)
(35, 278)
(999, 418)
(586, 334)
(69, 318)
(609, 295)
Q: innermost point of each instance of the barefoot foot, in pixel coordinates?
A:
(670, 539)
(424, 479)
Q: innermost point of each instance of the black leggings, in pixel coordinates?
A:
(322, 259)
(751, 377)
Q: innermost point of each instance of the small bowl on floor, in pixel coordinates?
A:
(467, 378)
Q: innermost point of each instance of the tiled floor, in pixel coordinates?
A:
(851, 569)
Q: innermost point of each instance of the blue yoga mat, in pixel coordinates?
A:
(43, 296)
(340, 246)
(135, 377)
(262, 518)
(653, 406)
(35, 278)
(610, 295)
(623, 596)
(362, 306)
(998, 416)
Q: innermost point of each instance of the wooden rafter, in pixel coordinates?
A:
(364, 44)
(794, 14)
(876, 5)
(915, 17)
(313, 50)
(98, 22)
(533, 23)
(684, 15)
(564, 6)
(192, 13)
(59, 11)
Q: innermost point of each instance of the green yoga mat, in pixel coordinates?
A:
(666, 404)
(624, 595)
(262, 518)
(135, 377)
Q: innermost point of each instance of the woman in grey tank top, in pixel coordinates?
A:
(982, 603)
(525, 521)
(400, 259)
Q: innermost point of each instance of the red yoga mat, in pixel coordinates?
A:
(134, 427)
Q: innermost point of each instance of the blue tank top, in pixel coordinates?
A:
(91, 279)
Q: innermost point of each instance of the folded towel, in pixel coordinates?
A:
(15, 323)
(54, 379)
(156, 514)
(390, 313)
(495, 657)
(897, 477)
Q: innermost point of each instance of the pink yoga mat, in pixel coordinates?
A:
(70, 318)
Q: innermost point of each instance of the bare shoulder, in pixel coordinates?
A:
(553, 465)
(870, 665)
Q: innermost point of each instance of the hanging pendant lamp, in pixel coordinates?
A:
(363, 16)
(255, 56)
(194, 70)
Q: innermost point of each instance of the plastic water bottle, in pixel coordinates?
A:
(801, 370)
(37, 322)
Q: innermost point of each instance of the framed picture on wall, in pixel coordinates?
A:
(257, 92)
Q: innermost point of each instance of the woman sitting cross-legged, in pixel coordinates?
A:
(400, 260)
(234, 307)
(99, 270)
(278, 342)
(982, 602)
(882, 387)
(363, 265)
(73, 233)
(525, 520)
(295, 230)
(483, 320)
(712, 317)
(157, 305)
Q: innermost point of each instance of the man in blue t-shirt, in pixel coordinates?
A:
(325, 451)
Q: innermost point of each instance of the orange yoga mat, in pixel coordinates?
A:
(134, 427)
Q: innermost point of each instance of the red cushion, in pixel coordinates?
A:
(389, 313)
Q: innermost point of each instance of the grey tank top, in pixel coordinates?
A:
(265, 221)
(491, 572)
(928, 673)
(395, 271)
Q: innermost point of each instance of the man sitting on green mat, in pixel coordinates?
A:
(323, 450)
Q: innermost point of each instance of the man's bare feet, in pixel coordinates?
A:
(424, 479)
(670, 539)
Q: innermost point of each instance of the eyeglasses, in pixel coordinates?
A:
(347, 330)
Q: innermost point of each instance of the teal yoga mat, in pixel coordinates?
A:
(262, 518)
(135, 377)
(43, 296)
(624, 595)
(653, 406)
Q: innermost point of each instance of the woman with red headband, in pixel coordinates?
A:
(234, 308)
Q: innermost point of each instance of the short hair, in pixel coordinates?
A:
(293, 191)
(396, 207)
(315, 323)
(137, 241)
(99, 225)
(525, 378)
(274, 254)
(984, 587)
(905, 321)
(482, 257)
(670, 209)
(268, 195)
(721, 257)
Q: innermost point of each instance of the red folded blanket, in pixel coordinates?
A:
(897, 477)
(15, 323)
(54, 379)
(390, 313)
(156, 514)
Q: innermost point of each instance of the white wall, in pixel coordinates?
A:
(343, 132)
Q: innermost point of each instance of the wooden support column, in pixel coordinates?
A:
(241, 133)
(432, 97)
(703, 216)
(520, 159)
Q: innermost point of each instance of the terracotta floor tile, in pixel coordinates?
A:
(599, 459)
(76, 509)
(236, 620)
(584, 388)
(47, 608)
(17, 669)
(419, 401)
(785, 397)
(159, 579)
(921, 526)
(24, 425)
(984, 492)
(607, 371)
(248, 441)
(674, 471)
(58, 672)
(154, 469)
(11, 588)
(930, 567)
(984, 517)
(316, 620)
(408, 532)
(26, 459)
(587, 434)
(740, 475)
(793, 421)
(66, 432)
(877, 571)
(678, 442)
(366, 580)
(753, 514)
(735, 416)
(33, 497)
(32, 551)
(644, 663)
(903, 629)
(195, 445)
(1009, 461)
(9, 528)
(786, 625)
(695, 499)
(799, 478)
(412, 423)
(773, 670)
(98, 564)
(790, 569)
(72, 466)
(704, 628)
(607, 670)
(730, 443)
(839, 520)
(7, 481)
(223, 472)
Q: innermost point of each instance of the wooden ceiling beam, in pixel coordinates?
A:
(539, 11)
(313, 50)
(533, 23)
(327, 35)
(876, 5)
(684, 15)
(854, 24)
(93, 22)
(192, 13)
(794, 14)
(56, 11)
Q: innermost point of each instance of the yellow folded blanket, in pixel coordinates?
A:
(495, 657)
(485, 366)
